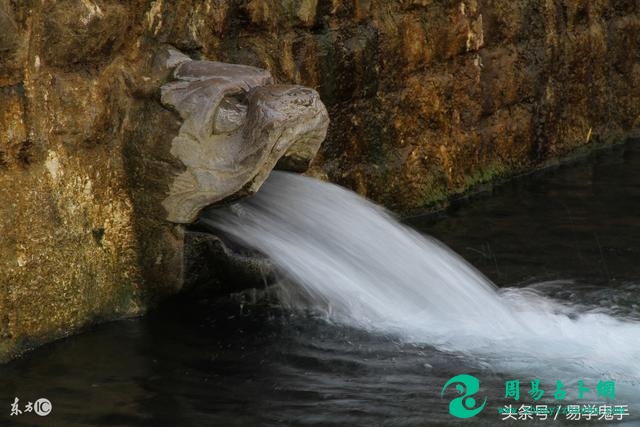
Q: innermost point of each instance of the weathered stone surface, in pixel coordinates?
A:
(212, 266)
(237, 125)
(467, 91)
(427, 98)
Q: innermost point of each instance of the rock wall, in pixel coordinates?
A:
(426, 98)
(429, 98)
(73, 107)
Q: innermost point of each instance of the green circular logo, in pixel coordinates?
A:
(464, 406)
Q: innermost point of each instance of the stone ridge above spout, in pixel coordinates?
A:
(237, 125)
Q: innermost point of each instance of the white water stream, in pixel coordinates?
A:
(363, 268)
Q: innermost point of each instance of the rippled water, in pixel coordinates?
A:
(570, 235)
(355, 265)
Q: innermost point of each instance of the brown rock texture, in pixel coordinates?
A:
(445, 95)
(427, 98)
(73, 204)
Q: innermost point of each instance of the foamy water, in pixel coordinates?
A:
(359, 266)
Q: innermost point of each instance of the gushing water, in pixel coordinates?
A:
(361, 267)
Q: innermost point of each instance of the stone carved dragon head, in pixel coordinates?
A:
(237, 125)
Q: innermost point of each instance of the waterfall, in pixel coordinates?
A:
(359, 266)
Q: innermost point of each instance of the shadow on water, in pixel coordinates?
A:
(577, 221)
(220, 362)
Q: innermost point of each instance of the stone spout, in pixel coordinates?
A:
(237, 125)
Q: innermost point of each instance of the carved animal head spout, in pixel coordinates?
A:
(237, 125)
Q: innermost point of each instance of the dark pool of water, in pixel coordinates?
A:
(203, 362)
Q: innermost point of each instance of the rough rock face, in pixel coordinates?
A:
(426, 98)
(443, 95)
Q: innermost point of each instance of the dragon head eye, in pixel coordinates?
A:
(231, 114)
